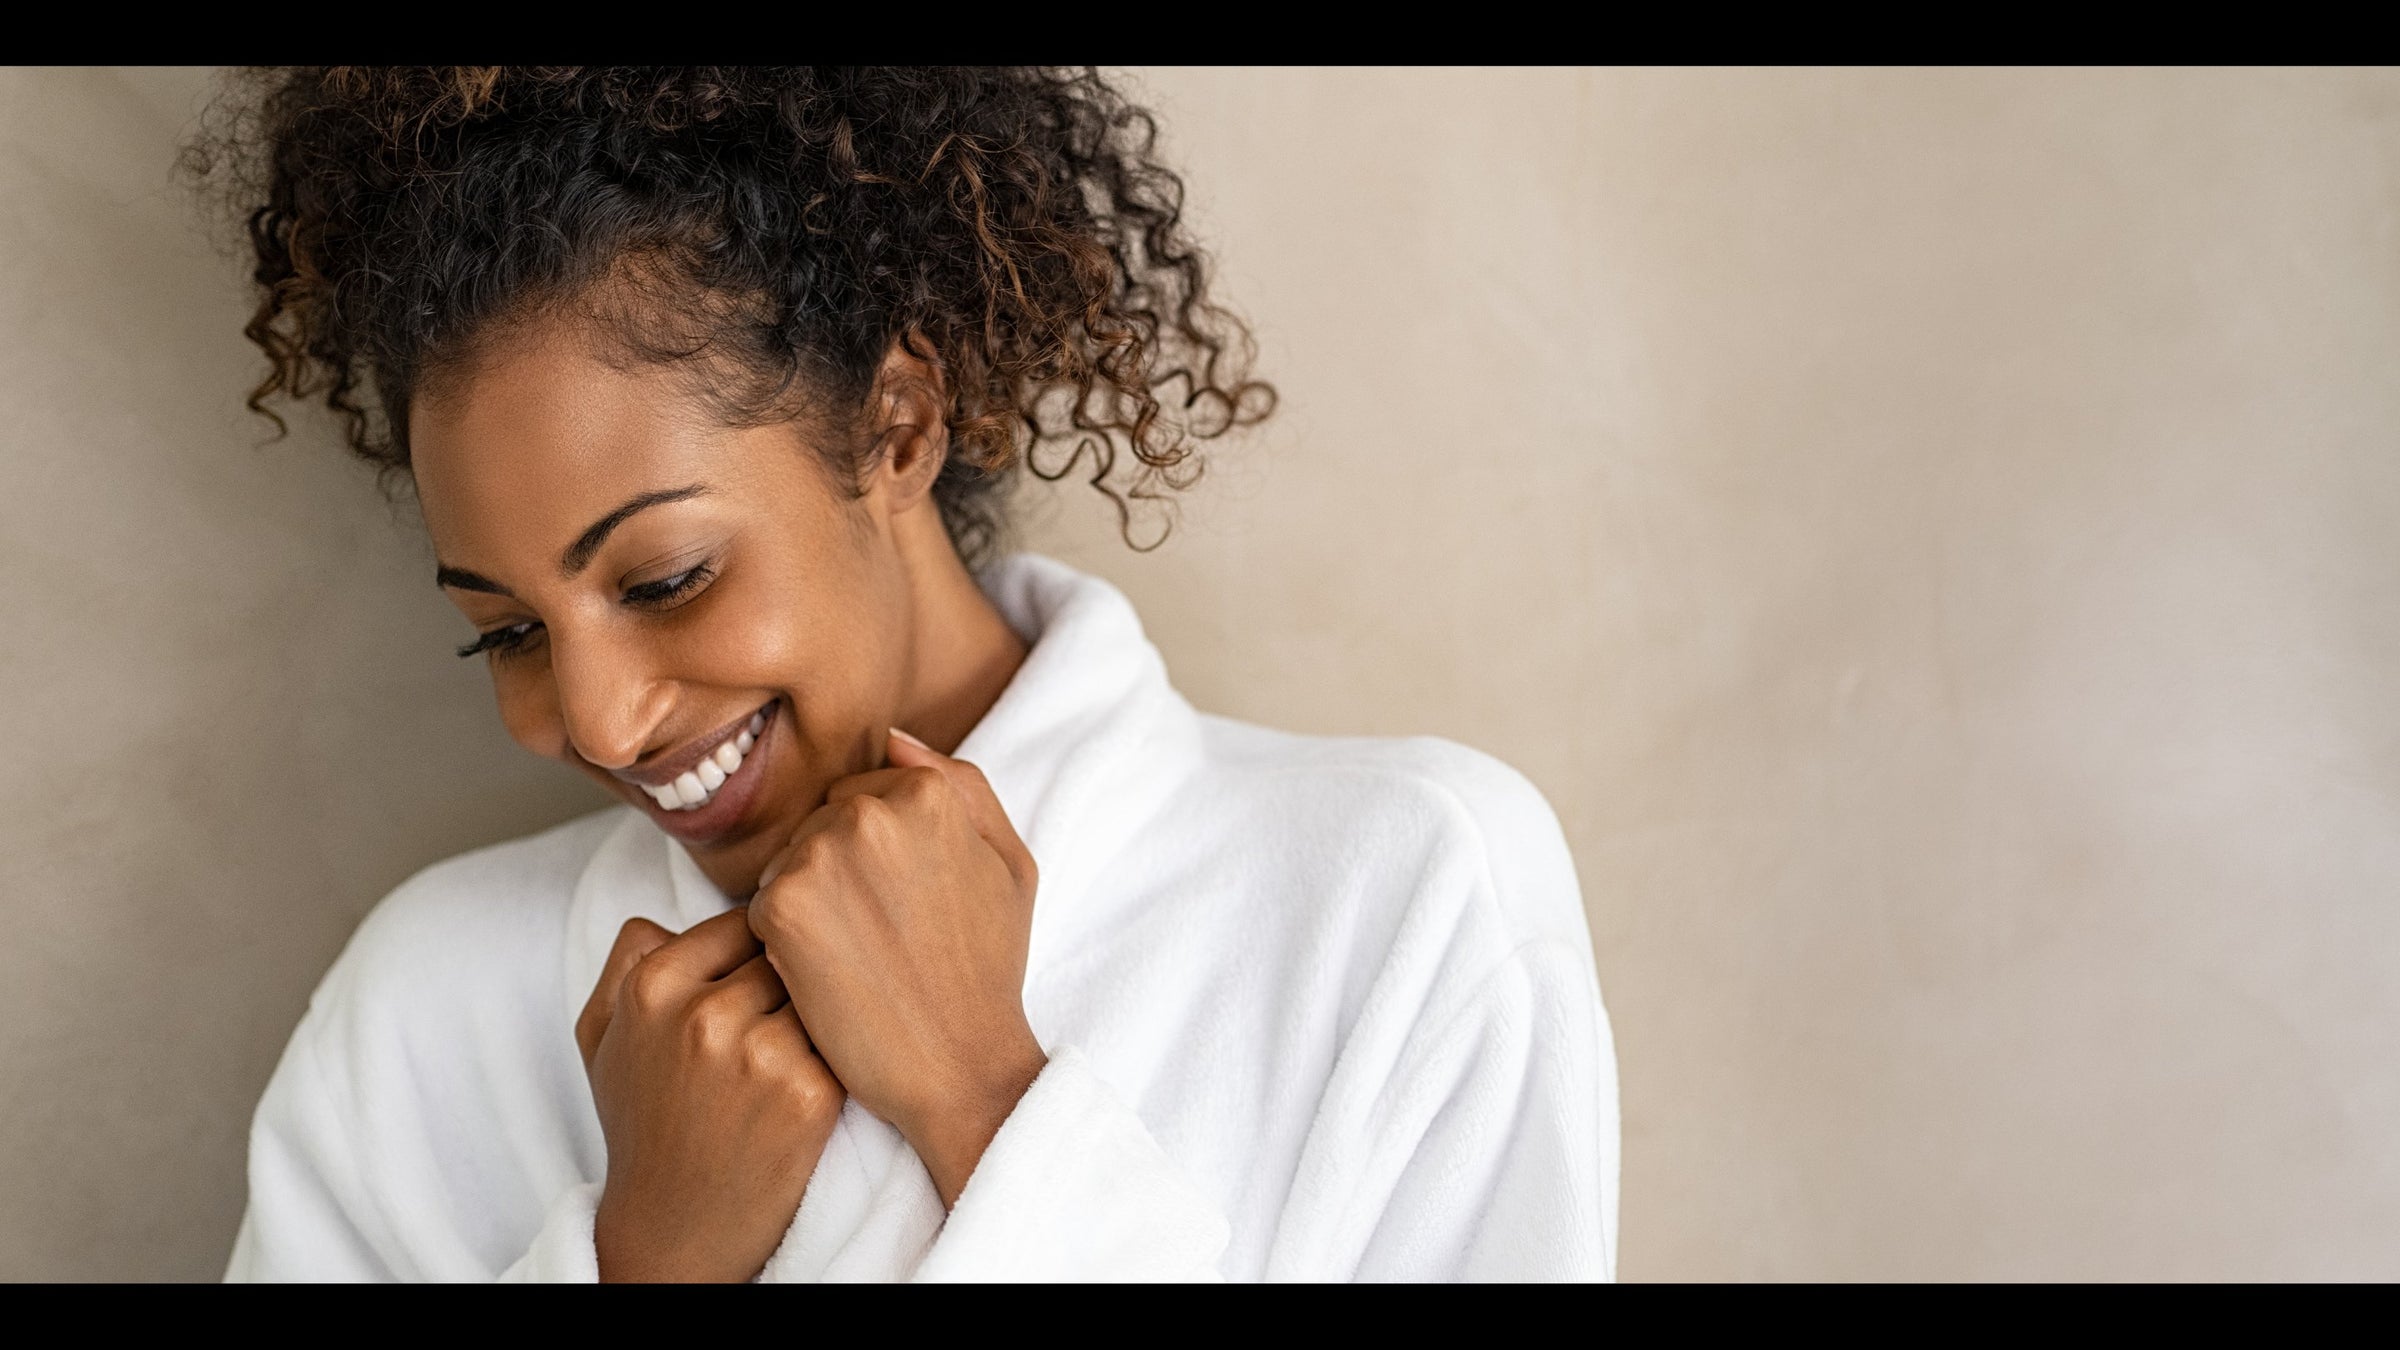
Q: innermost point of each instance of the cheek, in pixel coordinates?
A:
(528, 704)
(832, 657)
(762, 640)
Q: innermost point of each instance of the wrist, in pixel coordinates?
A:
(626, 1247)
(950, 1136)
(621, 1255)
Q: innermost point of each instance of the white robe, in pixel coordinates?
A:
(1317, 1009)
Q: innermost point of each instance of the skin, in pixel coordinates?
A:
(884, 956)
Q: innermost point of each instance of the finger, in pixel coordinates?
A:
(712, 948)
(984, 811)
(755, 985)
(962, 781)
(635, 940)
(814, 823)
(872, 783)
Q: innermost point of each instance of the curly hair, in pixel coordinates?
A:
(777, 228)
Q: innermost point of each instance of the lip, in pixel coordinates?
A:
(660, 772)
(732, 800)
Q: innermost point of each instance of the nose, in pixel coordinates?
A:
(609, 698)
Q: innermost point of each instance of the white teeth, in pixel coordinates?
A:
(693, 790)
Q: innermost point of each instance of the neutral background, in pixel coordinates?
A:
(1931, 534)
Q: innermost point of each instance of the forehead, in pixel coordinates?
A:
(541, 436)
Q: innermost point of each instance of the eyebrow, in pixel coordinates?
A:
(460, 579)
(579, 554)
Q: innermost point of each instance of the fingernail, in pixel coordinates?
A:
(910, 739)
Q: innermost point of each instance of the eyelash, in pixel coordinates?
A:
(501, 640)
(649, 595)
(653, 593)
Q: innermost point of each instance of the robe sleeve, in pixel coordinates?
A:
(1469, 1128)
(309, 1218)
(1489, 1153)
(305, 1219)
(319, 1212)
(1073, 1187)
(1484, 1149)
(367, 1163)
(563, 1252)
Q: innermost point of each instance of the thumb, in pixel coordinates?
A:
(908, 752)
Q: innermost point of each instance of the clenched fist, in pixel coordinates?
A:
(715, 1107)
(898, 917)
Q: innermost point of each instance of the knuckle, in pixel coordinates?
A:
(713, 1025)
(770, 908)
(868, 819)
(793, 889)
(763, 1049)
(809, 851)
(811, 1094)
(790, 927)
(879, 817)
(650, 988)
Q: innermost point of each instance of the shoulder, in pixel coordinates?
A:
(442, 932)
(1471, 827)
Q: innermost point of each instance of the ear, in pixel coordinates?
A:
(908, 416)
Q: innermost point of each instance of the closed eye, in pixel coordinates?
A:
(663, 593)
(501, 641)
(667, 590)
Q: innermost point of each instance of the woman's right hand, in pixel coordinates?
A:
(714, 1104)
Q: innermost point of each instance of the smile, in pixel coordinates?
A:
(697, 786)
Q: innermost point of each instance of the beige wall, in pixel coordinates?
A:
(1931, 535)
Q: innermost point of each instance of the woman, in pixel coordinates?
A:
(937, 937)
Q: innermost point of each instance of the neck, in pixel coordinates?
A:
(965, 652)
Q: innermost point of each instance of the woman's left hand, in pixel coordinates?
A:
(898, 918)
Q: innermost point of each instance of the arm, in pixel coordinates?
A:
(1469, 1128)
(313, 1215)
(308, 1218)
(1490, 1153)
(357, 1145)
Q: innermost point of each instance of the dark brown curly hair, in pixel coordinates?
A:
(777, 229)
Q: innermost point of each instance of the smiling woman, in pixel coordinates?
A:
(713, 576)
(938, 936)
